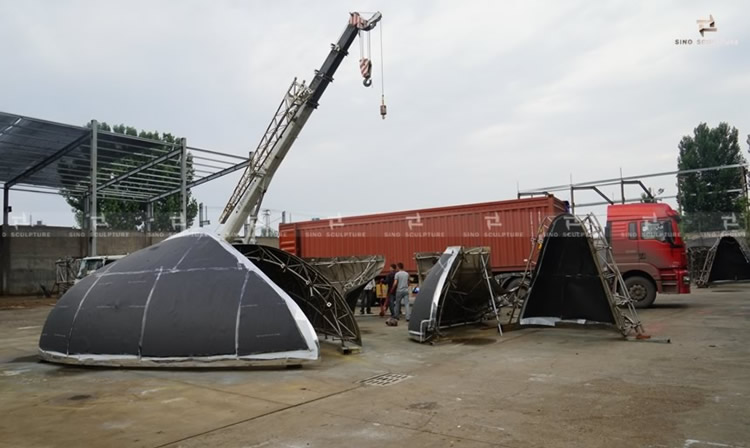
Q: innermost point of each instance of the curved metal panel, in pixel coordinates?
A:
(457, 290)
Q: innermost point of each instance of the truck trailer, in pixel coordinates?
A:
(506, 227)
(645, 239)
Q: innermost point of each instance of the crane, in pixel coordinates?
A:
(299, 102)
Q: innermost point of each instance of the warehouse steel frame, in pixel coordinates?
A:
(42, 156)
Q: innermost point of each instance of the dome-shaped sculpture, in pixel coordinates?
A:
(190, 300)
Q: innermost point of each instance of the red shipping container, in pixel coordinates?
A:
(507, 227)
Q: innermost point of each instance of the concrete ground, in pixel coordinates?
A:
(529, 388)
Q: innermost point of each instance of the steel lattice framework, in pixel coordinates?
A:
(321, 301)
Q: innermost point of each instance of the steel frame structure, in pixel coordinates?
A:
(321, 301)
(465, 262)
(349, 274)
(628, 180)
(41, 156)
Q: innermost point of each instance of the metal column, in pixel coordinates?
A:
(149, 215)
(93, 212)
(183, 184)
(5, 248)
(572, 201)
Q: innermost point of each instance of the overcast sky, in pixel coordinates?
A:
(483, 96)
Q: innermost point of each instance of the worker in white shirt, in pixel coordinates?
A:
(368, 297)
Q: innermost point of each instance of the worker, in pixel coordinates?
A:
(399, 292)
(367, 297)
(390, 299)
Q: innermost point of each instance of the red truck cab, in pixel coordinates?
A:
(648, 249)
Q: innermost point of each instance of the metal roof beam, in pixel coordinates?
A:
(203, 180)
(143, 167)
(49, 160)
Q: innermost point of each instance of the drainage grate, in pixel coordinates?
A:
(385, 379)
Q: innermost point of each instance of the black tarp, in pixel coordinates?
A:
(191, 299)
(568, 283)
(731, 261)
(456, 291)
(319, 300)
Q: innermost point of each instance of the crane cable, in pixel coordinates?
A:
(365, 61)
(383, 108)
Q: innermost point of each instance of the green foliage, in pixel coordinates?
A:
(708, 198)
(117, 214)
(646, 199)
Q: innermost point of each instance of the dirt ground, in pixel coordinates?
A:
(21, 302)
(475, 388)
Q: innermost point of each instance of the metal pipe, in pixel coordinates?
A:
(203, 180)
(183, 179)
(207, 151)
(140, 168)
(209, 159)
(5, 251)
(615, 181)
(92, 198)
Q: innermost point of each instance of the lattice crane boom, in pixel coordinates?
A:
(296, 107)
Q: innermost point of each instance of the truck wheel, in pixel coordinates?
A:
(641, 290)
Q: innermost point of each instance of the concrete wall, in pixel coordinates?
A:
(34, 250)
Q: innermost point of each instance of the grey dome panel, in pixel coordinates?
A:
(112, 323)
(191, 299)
(260, 313)
(59, 324)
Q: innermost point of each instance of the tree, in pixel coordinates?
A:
(711, 200)
(118, 214)
(646, 199)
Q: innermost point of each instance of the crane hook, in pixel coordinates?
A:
(367, 82)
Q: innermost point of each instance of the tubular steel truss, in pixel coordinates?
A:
(349, 274)
(293, 100)
(321, 301)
